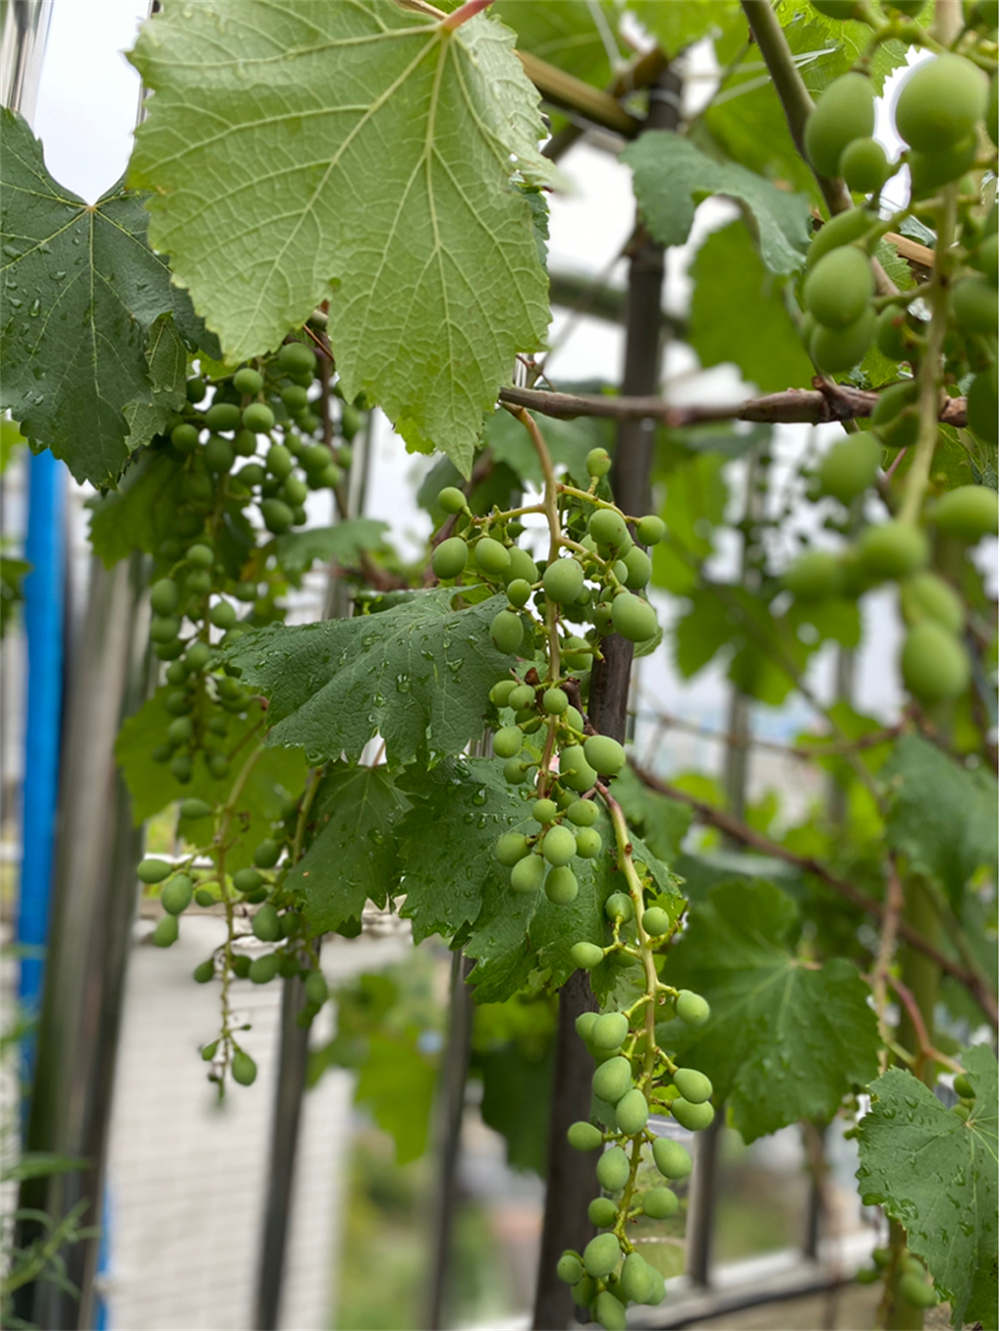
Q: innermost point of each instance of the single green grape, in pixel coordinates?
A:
(602, 1254)
(610, 1029)
(605, 755)
(671, 1159)
(693, 1085)
(166, 932)
(451, 499)
(584, 1136)
(507, 631)
(243, 1068)
(692, 1116)
(588, 843)
(266, 923)
(659, 1203)
(613, 1078)
(602, 1212)
(527, 874)
(176, 894)
(632, 1112)
(562, 581)
(586, 955)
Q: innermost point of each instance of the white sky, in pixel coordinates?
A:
(85, 112)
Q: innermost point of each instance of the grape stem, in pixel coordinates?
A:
(929, 375)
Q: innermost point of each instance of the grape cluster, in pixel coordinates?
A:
(248, 448)
(558, 616)
(942, 332)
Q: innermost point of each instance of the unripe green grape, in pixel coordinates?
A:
(605, 755)
(163, 596)
(569, 1268)
(204, 973)
(974, 304)
(510, 848)
(178, 703)
(522, 695)
(244, 443)
(584, 1136)
(507, 741)
(153, 871)
(518, 592)
(692, 1116)
(636, 1281)
(251, 475)
(241, 966)
(195, 389)
(586, 955)
(544, 810)
(602, 1254)
(693, 1085)
(607, 527)
(987, 257)
(572, 718)
(982, 406)
(243, 1068)
(895, 415)
(583, 1292)
(316, 989)
(248, 380)
(166, 932)
(278, 517)
(632, 1112)
(266, 853)
(659, 1203)
(554, 701)
(671, 1159)
(836, 350)
(633, 617)
(266, 924)
(184, 437)
(507, 631)
(613, 1172)
(247, 880)
(651, 529)
(598, 462)
(264, 969)
(918, 1291)
(934, 664)
(314, 457)
(968, 513)
(588, 843)
(838, 289)
(180, 768)
(850, 466)
(164, 628)
(522, 565)
(890, 334)
(492, 557)
(583, 813)
(561, 886)
(451, 499)
(844, 111)
(562, 581)
(656, 921)
(584, 1024)
(609, 1312)
(940, 102)
(613, 1078)
(638, 568)
(963, 1087)
(841, 229)
(610, 1029)
(527, 874)
(296, 358)
(294, 491)
(218, 453)
(893, 549)
(602, 1212)
(814, 576)
(222, 416)
(927, 596)
(176, 894)
(176, 672)
(223, 615)
(218, 765)
(864, 166)
(559, 845)
(930, 170)
(501, 691)
(692, 1008)
(279, 461)
(515, 771)
(618, 906)
(450, 557)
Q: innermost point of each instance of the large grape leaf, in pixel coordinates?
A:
(787, 1038)
(515, 938)
(937, 1175)
(81, 292)
(757, 334)
(669, 174)
(167, 358)
(351, 857)
(942, 816)
(276, 774)
(298, 550)
(358, 152)
(418, 675)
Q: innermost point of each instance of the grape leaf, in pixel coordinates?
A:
(569, 442)
(297, 550)
(937, 1175)
(678, 24)
(696, 496)
(662, 822)
(757, 334)
(352, 852)
(669, 173)
(567, 34)
(167, 358)
(517, 1090)
(276, 774)
(942, 816)
(139, 514)
(417, 674)
(786, 1038)
(352, 152)
(82, 291)
(396, 1083)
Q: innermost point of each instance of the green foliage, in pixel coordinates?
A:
(341, 544)
(757, 334)
(937, 1174)
(417, 674)
(330, 227)
(787, 1038)
(942, 816)
(68, 377)
(351, 857)
(669, 172)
